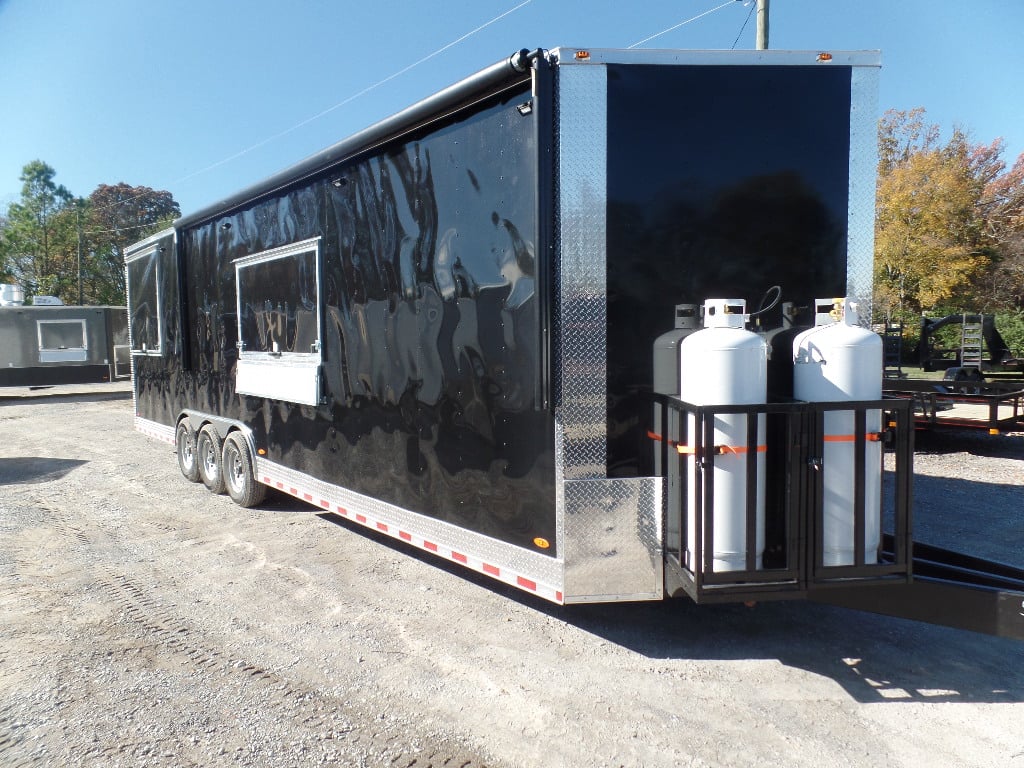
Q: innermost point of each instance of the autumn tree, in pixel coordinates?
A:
(38, 240)
(119, 215)
(932, 245)
(1003, 204)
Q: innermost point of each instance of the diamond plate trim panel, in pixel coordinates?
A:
(581, 362)
(613, 540)
(513, 565)
(860, 248)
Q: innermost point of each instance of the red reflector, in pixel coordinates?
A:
(523, 582)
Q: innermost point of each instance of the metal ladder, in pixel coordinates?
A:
(892, 350)
(971, 342)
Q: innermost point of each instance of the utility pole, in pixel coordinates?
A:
(762, 25)
(78, 212)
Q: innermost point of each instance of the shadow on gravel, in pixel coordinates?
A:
(82, 397)
(35, 469)
(874, 658)
(976, 518)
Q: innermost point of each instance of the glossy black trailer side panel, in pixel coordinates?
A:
(430, 338)
(722, 182)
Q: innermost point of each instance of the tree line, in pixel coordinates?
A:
(55, 244)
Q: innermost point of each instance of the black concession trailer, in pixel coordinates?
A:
(48, 345)
(443, 328)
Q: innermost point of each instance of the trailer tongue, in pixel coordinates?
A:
(444, 329)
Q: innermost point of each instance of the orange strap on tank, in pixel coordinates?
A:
(689, 450)
(871, 437)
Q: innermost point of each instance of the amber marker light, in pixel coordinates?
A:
(582, 55)
(541, 542)
(261, 451)
(824, 56)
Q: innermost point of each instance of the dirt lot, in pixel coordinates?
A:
(145, 622)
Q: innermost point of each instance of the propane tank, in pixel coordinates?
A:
(836, 361)
(666, 349)
(666, 367)
(724, 364)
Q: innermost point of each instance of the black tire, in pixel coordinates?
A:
(238, 472)
(185, 447)
(208, 457)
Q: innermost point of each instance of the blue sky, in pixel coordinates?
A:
(205, 97)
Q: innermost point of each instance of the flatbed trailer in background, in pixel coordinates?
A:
(995, 406)
(444, 329)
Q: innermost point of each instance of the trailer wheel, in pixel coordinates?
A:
(208, 453)
(239, 475)
(185, 447)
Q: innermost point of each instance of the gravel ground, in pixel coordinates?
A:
(147, 623)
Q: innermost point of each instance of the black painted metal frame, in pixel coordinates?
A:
(794, 510)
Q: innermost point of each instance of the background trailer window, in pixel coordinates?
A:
(62, 341)
(143, 303)
(279, 323)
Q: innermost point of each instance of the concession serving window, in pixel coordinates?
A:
(279, 323)
(62, 341)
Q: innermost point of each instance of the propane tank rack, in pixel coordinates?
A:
(793, 446)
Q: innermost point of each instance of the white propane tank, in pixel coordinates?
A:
(835, 361)
(724, 364)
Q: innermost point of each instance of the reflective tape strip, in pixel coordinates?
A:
(395, 531)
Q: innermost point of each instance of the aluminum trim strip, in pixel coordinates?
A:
(860, 247)
(311, 244)
(143, 247)
(581, 362)
(520, 568)
(601, 56)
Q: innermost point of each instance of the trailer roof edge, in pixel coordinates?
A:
(566, 56)
(507, 71)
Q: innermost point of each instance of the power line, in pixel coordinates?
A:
(342, 103)
(682, 23)
(355, 96)
(753, 7)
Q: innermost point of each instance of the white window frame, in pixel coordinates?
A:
(63, 354)
(154, 252)
(292, 377)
